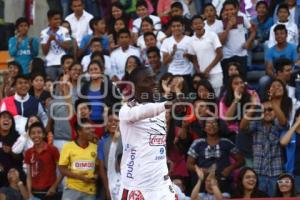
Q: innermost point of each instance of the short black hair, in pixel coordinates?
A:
(37, 125)
(230, 2)
(147, 19)
(280, 27)
(197, 17)
(17, 64)
(177, 19)
(65, 57)
(52, 13)
(80, 124)
(81, 101)
(283, 6)
(93, 22)
(177, 5)
(22, 76)
(96, 39)
(141, 3)
(21, 20)
(280, 63)
(82, 1)
(153, 49)
(208, 5)
(261, 3)
(98, 53)
(123, 31)
(148, 34)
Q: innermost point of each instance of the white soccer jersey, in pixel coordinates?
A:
(143, 131)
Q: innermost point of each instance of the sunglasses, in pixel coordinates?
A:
(268, 109)
(283, 182)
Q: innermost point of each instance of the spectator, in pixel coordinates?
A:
(37, 65)
(55, 42)
(16, 189)
(147, 26)
(211, 22)
(155, 63)
(8, 136)
(292, 29)
(109, 149)
(247, 185)
(79, 20)
(121, 54)
(212, 190)
(113, 35)
(100, 91)
(290, 140)
(24, 142)
(7, 88)
(196, 79)
(37, 90)
(175, 49)
(117, 12)
(205, 91)
(208, 43)
(73, 48)
(142, 12)
(78, 164)
(213, 149)
(22, 47)
(236, 26)
(22, 105)
(267, 153)
(286, 186)
(98, 26)
(96, 46)
(41, 161)
(66, 62)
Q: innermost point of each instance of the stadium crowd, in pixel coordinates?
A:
(228, 136)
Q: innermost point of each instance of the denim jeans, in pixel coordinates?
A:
(267, 184)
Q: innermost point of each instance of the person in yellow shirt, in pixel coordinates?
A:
(78, 164)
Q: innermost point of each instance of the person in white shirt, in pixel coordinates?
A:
(175, 48)
(144, 168)
(95, 46)
(206, 43)
(142, 11)
(233, 38)
(119, 56)
(283, 18)
(79, 20)
(211, 22)
(55, 41)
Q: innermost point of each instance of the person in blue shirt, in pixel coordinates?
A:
(22, 47)
(98, 27)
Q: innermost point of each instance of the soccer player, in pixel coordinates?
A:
(143, 129)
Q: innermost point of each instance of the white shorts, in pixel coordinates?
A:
(164, 193)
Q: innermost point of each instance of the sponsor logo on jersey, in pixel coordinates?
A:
(136, 195)
(84, 165)
(157, 140)
(130, 164)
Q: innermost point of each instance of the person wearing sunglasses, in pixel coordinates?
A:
(267, 151)
(285, 186)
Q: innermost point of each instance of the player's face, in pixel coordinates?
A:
(55, 21)
(146, 87)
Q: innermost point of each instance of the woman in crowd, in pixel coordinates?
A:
(8, 136)
(206, 91)
(37, 89)
(286, 186)
(7, 88)
(247, 185)
(24, 142)
(233, 102)
(118, 24)
(117, 12)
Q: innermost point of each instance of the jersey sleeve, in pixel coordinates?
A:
(64, 158)
(140, 112)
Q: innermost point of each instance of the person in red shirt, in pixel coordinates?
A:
(41, 161)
